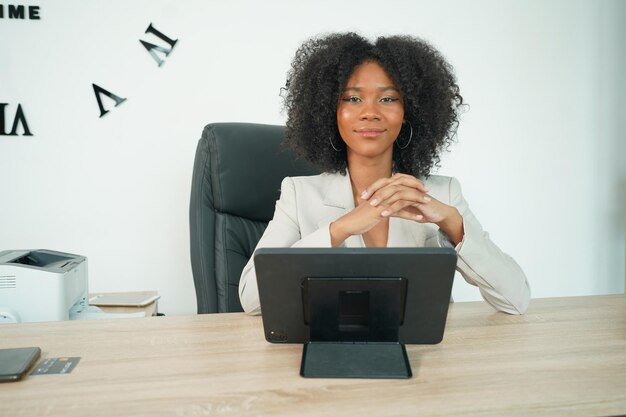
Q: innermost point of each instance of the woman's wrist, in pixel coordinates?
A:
(337, 234)
(452, 225)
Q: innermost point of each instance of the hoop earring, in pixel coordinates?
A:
(330, 139)
(410, 137)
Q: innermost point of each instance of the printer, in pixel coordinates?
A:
(41, 285)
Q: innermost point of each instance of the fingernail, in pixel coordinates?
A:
(364, 194)
(426, 199)
(374, 202)
(419, 216)
(427, 189)
(385, 213)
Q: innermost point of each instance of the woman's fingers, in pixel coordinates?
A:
(434, 211)
(376, 185)
(400, 206)
(392, 193)
(396, 179)
(402, 196)
(409, 213)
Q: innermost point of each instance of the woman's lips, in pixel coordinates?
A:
(369, 133)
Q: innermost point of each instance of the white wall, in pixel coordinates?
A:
(541, 153)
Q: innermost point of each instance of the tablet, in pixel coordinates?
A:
(355, 294)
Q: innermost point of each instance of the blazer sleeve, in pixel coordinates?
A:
(499, 278)
(283, 231)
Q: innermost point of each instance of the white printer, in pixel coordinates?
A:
(41, 285)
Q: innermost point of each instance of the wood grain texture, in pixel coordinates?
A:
(566, 356)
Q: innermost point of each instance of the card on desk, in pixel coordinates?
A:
(56, 366)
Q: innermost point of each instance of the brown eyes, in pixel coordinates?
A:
(355, 99)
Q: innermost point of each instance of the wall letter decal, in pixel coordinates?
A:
(33, 12)
(2, 106)
(152, 48)
(16, 12)
(19, 118)
(19, 12)
(99, 90)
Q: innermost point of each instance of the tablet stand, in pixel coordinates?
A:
(354, 326)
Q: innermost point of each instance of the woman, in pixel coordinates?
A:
(374, 118)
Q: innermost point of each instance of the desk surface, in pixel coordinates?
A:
(566, 356)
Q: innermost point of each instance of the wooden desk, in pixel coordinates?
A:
(566, 356)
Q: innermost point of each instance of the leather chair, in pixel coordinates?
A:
(236, 181)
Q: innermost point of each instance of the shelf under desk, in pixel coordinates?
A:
(151, 309)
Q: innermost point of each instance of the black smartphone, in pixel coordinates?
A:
(15, 363)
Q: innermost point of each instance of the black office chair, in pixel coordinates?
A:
(236, 182)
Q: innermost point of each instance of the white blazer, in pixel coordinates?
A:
(308, 205)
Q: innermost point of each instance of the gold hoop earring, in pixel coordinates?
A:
(331, 144)
(410, 137)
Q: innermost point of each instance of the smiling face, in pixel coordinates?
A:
(370, 113)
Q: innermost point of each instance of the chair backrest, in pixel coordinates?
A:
(236, 181)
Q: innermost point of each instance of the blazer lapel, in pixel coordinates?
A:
(338, 195)
(338, 192)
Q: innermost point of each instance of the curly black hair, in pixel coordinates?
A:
(319, 73)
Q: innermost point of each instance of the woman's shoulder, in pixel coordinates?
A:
(439, 181)
(319, 187)
(314, 180)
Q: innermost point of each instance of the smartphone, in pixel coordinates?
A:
(15, 363)
(123, 300)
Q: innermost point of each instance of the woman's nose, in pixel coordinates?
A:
(369, 111)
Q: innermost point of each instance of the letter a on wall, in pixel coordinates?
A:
(20, 118)
(98, 91)
(152, 48)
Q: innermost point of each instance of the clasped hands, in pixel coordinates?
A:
(402, 196)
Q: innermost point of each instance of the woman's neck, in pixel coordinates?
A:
(364, 173)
